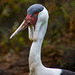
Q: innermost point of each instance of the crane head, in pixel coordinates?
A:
(31, 18)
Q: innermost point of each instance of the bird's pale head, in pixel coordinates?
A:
(31, 18)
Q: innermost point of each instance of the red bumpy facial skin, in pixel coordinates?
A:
(32, 20)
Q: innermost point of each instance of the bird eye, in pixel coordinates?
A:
(36, 13)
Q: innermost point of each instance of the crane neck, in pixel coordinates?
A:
(35, 50)
(35, 54)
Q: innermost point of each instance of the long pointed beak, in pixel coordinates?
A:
(22, 26)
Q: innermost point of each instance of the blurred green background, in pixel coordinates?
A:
(60, 37)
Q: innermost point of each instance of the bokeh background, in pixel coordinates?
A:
(58, 49)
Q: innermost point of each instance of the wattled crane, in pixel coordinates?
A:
(37, 21)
